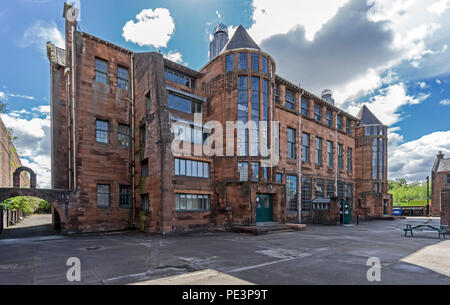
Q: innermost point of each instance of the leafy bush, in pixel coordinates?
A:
(28, 205)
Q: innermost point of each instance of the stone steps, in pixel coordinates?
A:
(267, 228)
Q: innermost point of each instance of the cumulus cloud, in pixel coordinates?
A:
(153, 28)
(349, 47)
(174, 56)
(39, 33)
(387, 105)
(445, 102)
(32, 129)
(414, 160)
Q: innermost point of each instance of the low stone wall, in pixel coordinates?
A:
(445, 207)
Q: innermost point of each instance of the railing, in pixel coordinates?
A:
(9, 218)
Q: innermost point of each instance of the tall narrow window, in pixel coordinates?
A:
(329, 118)
(340, 156)
(101, 71)
(147, 102)
(330, 188)
(349, 160)
(381, 163)
(255, 171)
(448, 179)
(143, 135)
(290, 100)
(375, 159)
(144, 203)
(339, 122)
(306, 193)
(265, 66)
(319, 188)
(341, 189)
(243, 115)
(317, 112)
(279, 178)
(305, 145)
(291, 143)
(319, 151)
(124, 135)
(291, 193)
(277, 94)
(144, 168)
(330, 153)
(348, 126)
(254, 138)
(265, 132)
(103, 195)
(243, 61)
(243, 171)
(255, 62)
(305, 106)
(102, 131)
(230, 62)
(265, 171)
(124, 196)
(123, 78)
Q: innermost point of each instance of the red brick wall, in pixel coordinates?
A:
(438, 183)
(445, 203)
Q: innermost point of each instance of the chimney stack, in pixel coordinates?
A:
(441, 155)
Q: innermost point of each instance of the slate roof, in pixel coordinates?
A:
(366, 117)
(444, 165)
(240, 40)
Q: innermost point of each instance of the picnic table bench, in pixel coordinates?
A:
(441, 229)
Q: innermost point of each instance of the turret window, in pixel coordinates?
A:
(230, 62)
(255, 62)
(243, 61)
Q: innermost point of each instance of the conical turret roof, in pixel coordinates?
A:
(366, 117)
(241, 40)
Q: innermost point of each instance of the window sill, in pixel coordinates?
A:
(193, 211)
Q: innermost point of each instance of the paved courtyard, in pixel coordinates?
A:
(319, 255)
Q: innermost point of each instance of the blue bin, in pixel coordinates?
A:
(397, 212)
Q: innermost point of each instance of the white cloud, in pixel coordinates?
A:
(439, 7)
(271, 18)
(387, 105)
(438, 81)
(33, 140)
(422, 85)
(174, 56)
(2, 95)
(445, 102)
(153, 28)
(414, 160)
(40, 33)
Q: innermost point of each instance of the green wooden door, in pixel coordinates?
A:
(264, 208)
(346, 212)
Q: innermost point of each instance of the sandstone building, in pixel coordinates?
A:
(440, 182)
(115, 114)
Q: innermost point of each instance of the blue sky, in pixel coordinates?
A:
(391, 55)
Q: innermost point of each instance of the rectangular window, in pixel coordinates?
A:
(348, 126)
(123, 78)
(367, 131)
(255, 62)
(242, 115)
(102, 131)
(144, 168)
(179, 78)
(330, 153)
(339, 122)
(144, 203)
(265, 171)
(255, 171)
(375, 159)
(243, 61)
(340, 156)
(243, 171)
(329, 118)
(349, 160)
(192, 202)
(330, 188)
(124, 196)
(254, 139)
(305, 145)
(448, 179)
(305, 106)
(350, 193)
(290, 100)
(265, 66)
(291, 143)
(103, 195)
(279, 178)
(184, 104)
(341, 189)
(230, 62)
(147, 102)
(124, 135)
(192, 168)
(319, 188)
(317, 112)
(277, 94)
(291, 193)
(142, 135)
(375, 187)
(306, 194)
(101, 71)
(319, 151)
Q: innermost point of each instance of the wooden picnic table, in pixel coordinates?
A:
(441, 229)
